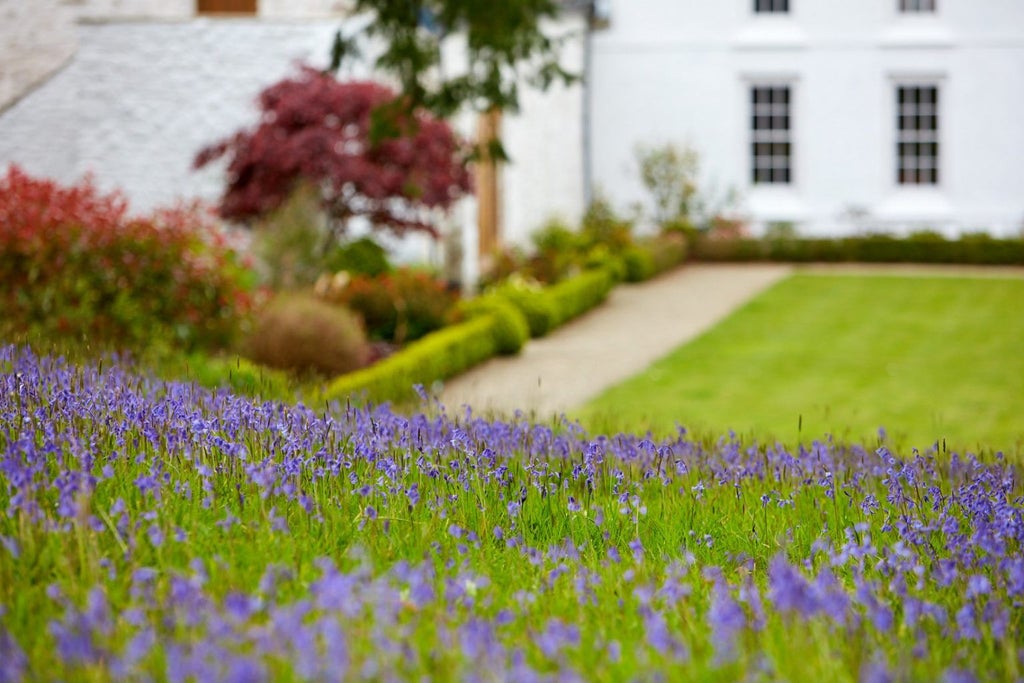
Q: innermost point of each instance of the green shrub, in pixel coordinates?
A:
(879, 248)
(654, 255)
(501, 265)
(290, 240)
(359, 257)
(398, 307)
(435, 357)
(538, 310)
(639, 263)
(670, 249)
(510, 328)
(76, 267)
(300, 333)
(602, 256)
(556, 254)
(580, 293)
(602, 225)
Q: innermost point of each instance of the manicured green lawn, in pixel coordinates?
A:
(926, 358)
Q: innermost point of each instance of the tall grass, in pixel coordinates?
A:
(158, 530)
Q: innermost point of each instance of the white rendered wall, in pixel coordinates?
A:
(680, 71)
(545, 142)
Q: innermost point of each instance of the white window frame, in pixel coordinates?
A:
(917, 126)
(763, 125)
(771, 6)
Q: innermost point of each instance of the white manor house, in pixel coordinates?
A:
(834, 117)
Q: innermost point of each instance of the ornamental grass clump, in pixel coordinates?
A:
(302, 334)
(160, 531)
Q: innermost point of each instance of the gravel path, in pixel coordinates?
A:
(636, 325)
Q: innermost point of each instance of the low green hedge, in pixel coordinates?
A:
(495, 325)
(510, 329)
(650, 257)
(580, 293)
(437, 356)
(538, 309)
(977, 249)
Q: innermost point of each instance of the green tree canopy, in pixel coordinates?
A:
(505, 43)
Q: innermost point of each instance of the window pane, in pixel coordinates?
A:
(767, 6)
(917, 124)
(771, 148)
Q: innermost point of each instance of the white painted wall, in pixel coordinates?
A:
(679, 71)
(545, 143)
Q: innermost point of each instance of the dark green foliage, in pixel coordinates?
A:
(602, 225)
(649, 257)
(510, 328)
(639, 264)
(504, 42)
(400, 306)
(972, 249)
(303, 334)
(437, 356)
(557, 250)
(603, 256)
(579, 294)
(362, 256)
(539, 310)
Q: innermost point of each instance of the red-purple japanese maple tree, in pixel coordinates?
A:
(316, 129)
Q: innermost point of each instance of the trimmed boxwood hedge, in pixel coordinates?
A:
(495, 326)
(976, 249)
(580, 293)
(510, 329)
(437, 356)
(538, 309)
(650, 257)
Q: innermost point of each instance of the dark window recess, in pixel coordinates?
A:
(771, 6)
(771, 135)
(917, 135)
(917, 5)
(226, 6)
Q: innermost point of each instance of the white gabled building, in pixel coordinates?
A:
(130, 90)
(831, 115)
(834, 116)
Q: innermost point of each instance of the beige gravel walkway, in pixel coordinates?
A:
(636, 325)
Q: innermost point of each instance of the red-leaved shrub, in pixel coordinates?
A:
(400, 306)
(77, 266)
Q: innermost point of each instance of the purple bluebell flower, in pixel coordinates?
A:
(966, 623)
(13, 662)
(555, 636)
(956, 675)
(637, 548)
(977, 585)
(875, 672)
(727, 620)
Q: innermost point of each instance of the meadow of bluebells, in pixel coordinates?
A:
(158, 531)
